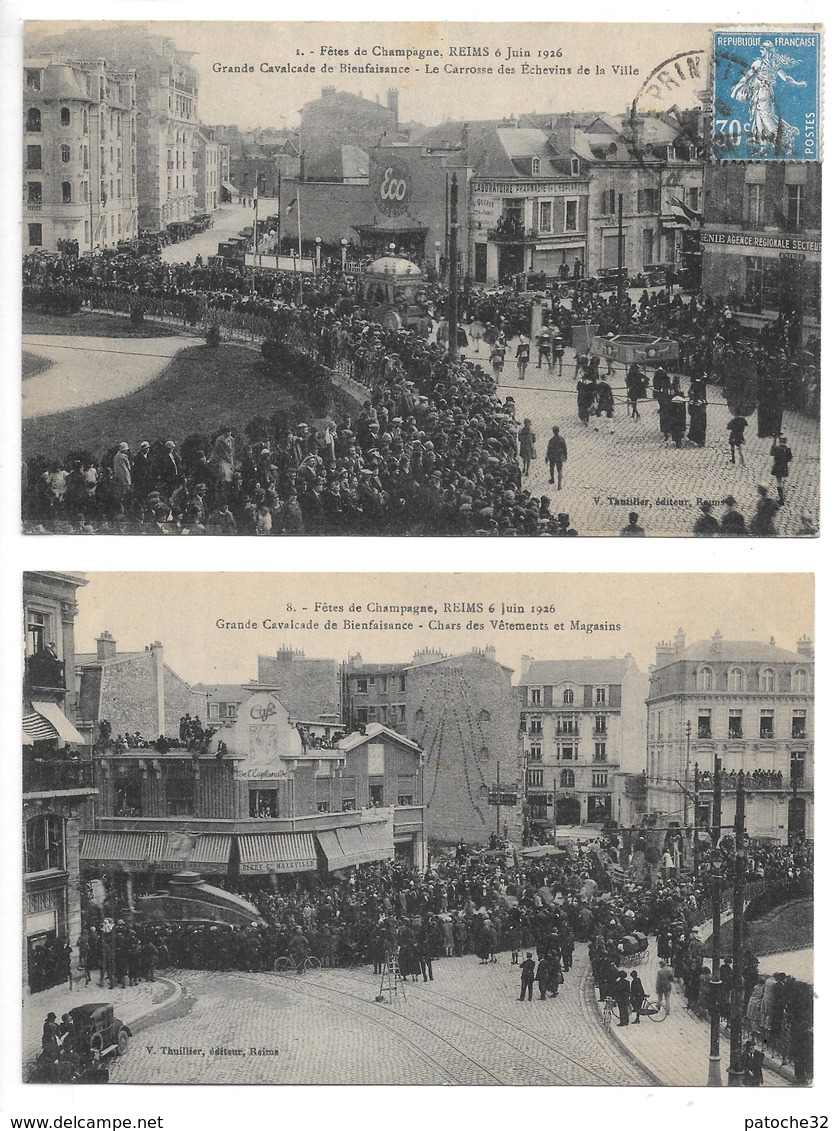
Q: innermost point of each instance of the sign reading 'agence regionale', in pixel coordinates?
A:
(752, 239)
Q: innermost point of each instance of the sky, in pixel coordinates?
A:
(625, 54)
(182, 610)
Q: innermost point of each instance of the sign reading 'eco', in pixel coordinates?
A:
(391, 185)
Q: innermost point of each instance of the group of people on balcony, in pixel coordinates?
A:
(753, 779)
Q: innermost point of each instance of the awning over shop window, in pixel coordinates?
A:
(354, 844)
(198, 852)
(62, 726)
(277, 852)
(37, 729)
(229, 186)
(119, 849)
(377, 839)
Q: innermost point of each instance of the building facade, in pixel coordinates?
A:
(310, 688)
(79, 155)
(748, 704)
(583, 727)
(463, 712)
(761, 242)
(58, 782)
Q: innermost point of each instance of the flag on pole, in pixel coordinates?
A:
(290, 207)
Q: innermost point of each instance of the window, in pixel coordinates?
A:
(535, 166)
(85, 122)
(767, 680)
(575, 166)
(322, 807)
(703, 728)
(796, 766)
(33, 157)
(33, 78)
(347, 804)
(65, 154)
(568, 695)
(535, 778)
(735, 724)
(66, 192)
(402, 682)
(600, 695)
(704, 680)
(735, 679)
(799, 724)
(522, 721)
(599, 779)
(546, 216)
(767, 724)
(649, 200)
(535, 753)
(648, 241)
(45, 843)
(609, 197)
(692, 198)
(568, 754)
(383, 684)
(38, 631)
(600, 751)
(400, 712)
(33, 120)
(405, 799)
(377, 795)
(213, 710)
(536, 697)
(361, 686)
(754, 205)
(799, 680)
(599, 724)
(128, 794)
(35, 235)
(180, 795)
(795, 207)
(567, 724)
(64, 116)
(536, 726)
(567, 779)
(229, 711)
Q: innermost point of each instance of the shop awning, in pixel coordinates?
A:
(119, 849)
(356, 844)
(277, 852)
(230, 187)
(58, 720)
(37, 729)
(198, 852)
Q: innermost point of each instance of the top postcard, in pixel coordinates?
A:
(496, 280)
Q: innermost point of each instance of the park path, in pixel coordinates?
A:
(87, 371)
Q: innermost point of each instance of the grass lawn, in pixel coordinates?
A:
(199, 389)
(785, 928)
(32, 363)
(93, 325)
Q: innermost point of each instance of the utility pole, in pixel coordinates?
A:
(453, 268)
(735, 1066)
(695, 815)
(687, 773)
(715, 989)
(498, 798)
(554, 803)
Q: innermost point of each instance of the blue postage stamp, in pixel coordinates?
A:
(767, 95)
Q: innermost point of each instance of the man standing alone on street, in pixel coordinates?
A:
(664, 985)
(528, 971)
(781, 459)
(556, 455)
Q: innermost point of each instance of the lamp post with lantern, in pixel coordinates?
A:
(343, 256)
(317, 253)
(715, 989)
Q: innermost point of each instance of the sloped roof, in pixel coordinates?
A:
(548, 673)
(85, 659)
(228, 692)
(376, 730)
(739, 651)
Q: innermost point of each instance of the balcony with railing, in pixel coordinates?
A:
(755, 780)
(46, 775)
(44, 671)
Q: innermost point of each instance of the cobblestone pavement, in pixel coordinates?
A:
(614, 465)
(227, 222)
(465, 1027)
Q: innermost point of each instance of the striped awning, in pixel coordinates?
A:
(53, 714)
(37, 729)
(356, 844)
(277, 852)
(119, 849)
(197, 852)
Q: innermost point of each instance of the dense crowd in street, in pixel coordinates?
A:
(433, 449)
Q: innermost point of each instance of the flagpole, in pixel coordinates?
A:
(300, 244)
(279, 209)
(255, 234)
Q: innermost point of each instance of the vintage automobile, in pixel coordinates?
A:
(97, 1036)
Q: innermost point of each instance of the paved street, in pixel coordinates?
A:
(227, 222)
(465, 1027)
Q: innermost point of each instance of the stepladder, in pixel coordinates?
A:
(392, 986)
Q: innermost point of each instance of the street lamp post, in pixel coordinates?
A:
(317, 253)
(715, 989)
(437, 258)
(735, 1066)
(343, 256)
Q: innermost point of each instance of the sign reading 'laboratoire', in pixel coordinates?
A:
(767, 96)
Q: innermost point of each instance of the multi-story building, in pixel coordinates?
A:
(206, 171)
(463, 712)
(58, 782)
(654, 163)
(166, 111)
(265, 799)
(761, 241)
(79, 154)
(310, 688)
(583, 727)
(748, 704)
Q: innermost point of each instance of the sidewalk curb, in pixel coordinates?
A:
(590, 991)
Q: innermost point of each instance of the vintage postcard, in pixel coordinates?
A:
(495, 280)
(428, 829)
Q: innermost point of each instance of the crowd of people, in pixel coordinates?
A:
(433, 449)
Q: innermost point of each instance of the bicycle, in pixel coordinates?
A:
(610, 1010)
(285, 964)
(653, 1010)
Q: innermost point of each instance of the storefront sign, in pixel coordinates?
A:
(526, 188)
(756, 239)
(391, 184)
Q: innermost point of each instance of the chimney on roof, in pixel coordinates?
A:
(393, 102)
(716, 641)
(326, 91)
(679, 642)
(465, 130)
(526, 661)
(106, 646)
(806, 647)
(156, 649)
(664, 652)
(489, 652)
(772, 641)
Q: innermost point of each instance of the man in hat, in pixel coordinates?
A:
(763, 520)
(555, 456)
(528, 973)
(706, 526)
(781, 459)
(664, 985)
(142, 472)
(632, 528)
(122, 471)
